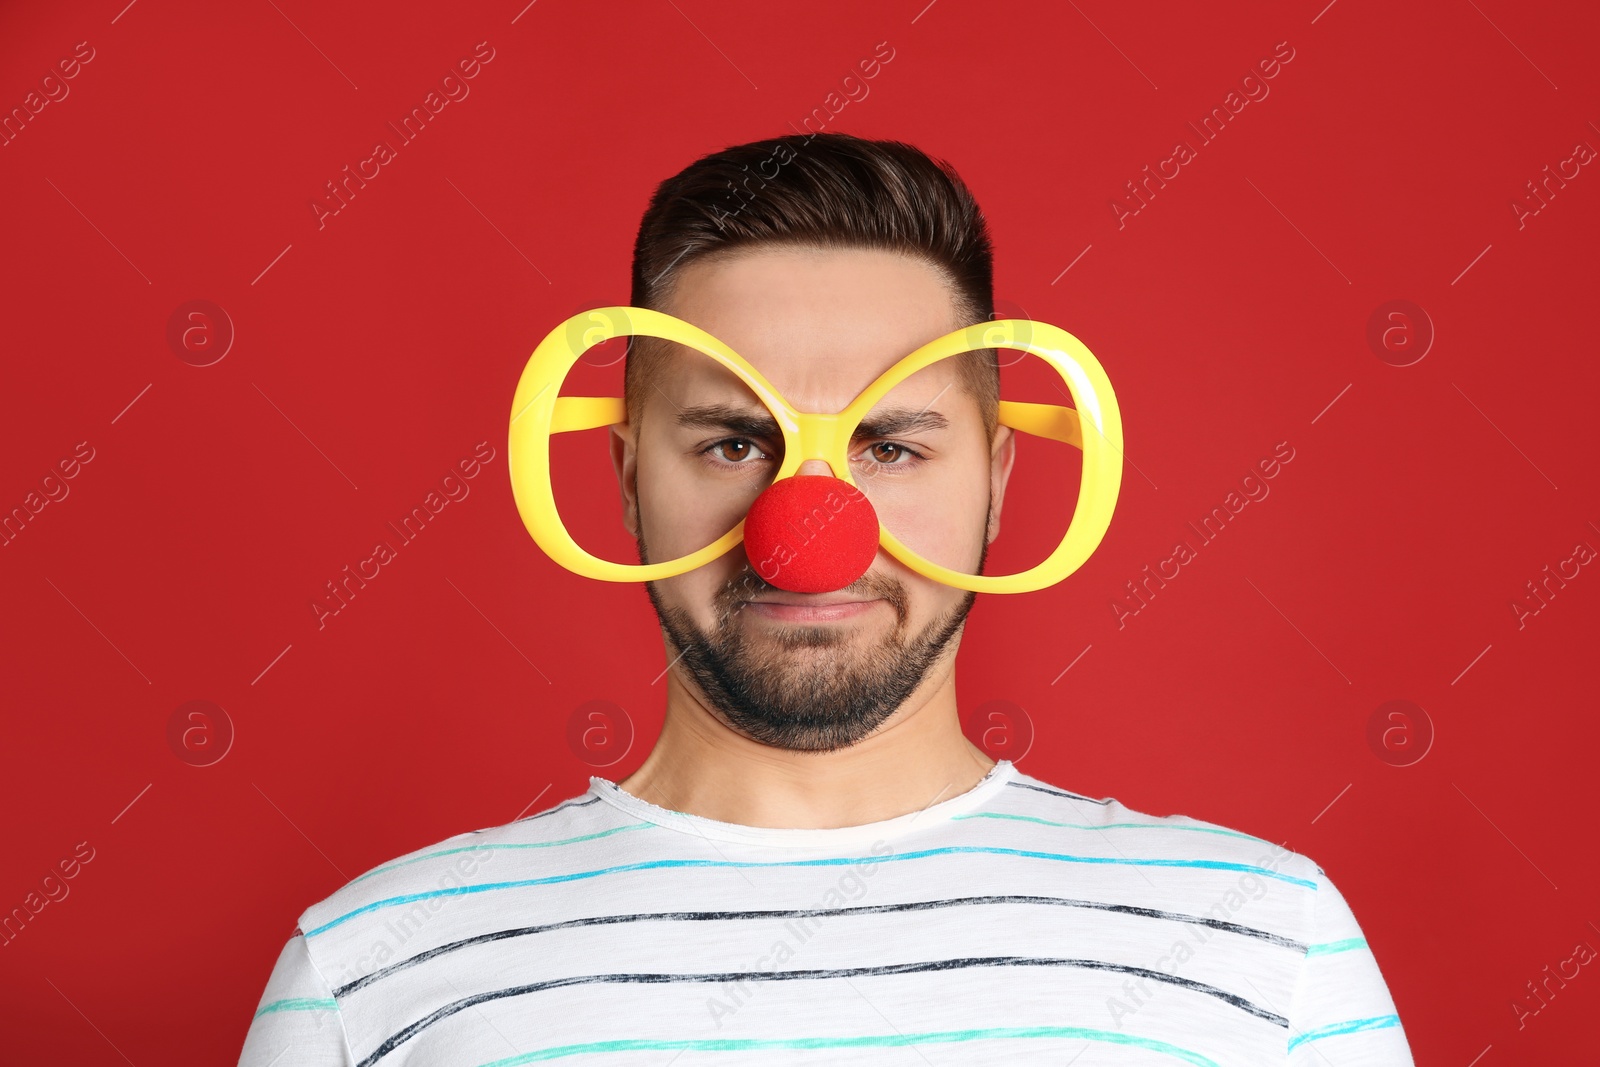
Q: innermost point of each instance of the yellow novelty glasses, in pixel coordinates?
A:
(1094, 426)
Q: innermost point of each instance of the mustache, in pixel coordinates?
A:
(748, 585)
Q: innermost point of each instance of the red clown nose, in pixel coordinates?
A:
(811, 533)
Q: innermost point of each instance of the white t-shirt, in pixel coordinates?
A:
(1015, 923)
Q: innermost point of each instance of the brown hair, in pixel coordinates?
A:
(823, 190)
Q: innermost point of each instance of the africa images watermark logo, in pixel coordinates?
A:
(454, 88)
(343, 589)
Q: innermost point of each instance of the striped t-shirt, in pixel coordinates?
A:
(1015, 923)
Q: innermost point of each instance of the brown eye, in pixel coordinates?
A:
(734, 451)
(891, 456)
(887, 458)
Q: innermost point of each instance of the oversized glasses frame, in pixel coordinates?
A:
(1094, 426)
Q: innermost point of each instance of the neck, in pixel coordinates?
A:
(703, 767)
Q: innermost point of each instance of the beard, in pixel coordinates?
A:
(807, 688)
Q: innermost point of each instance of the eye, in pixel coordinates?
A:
(734, 451)
(893, 454)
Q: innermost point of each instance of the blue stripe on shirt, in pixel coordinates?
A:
(408, 898)
(1377, 1022)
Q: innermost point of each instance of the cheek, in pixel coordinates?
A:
(925, 598)
(682, 511)
(679, 516)
(941, 520)
(695, 592)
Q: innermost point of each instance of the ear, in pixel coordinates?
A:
(624, 460)
(1002, 455)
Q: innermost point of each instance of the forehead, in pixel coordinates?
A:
(820, 325)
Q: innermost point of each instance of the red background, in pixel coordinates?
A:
(373, 353)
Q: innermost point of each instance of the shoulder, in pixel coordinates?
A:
(367, 921)
(1179, 836)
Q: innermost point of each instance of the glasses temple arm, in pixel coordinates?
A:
(1050, 421)
(587, 412)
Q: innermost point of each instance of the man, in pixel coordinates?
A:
(814, 864)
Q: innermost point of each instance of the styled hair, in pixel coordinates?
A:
(825, 191)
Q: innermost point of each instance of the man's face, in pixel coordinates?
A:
(820, 326)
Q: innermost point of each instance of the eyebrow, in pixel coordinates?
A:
(887, 422)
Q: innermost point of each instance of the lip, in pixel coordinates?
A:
(813, 599)
(815, 608)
